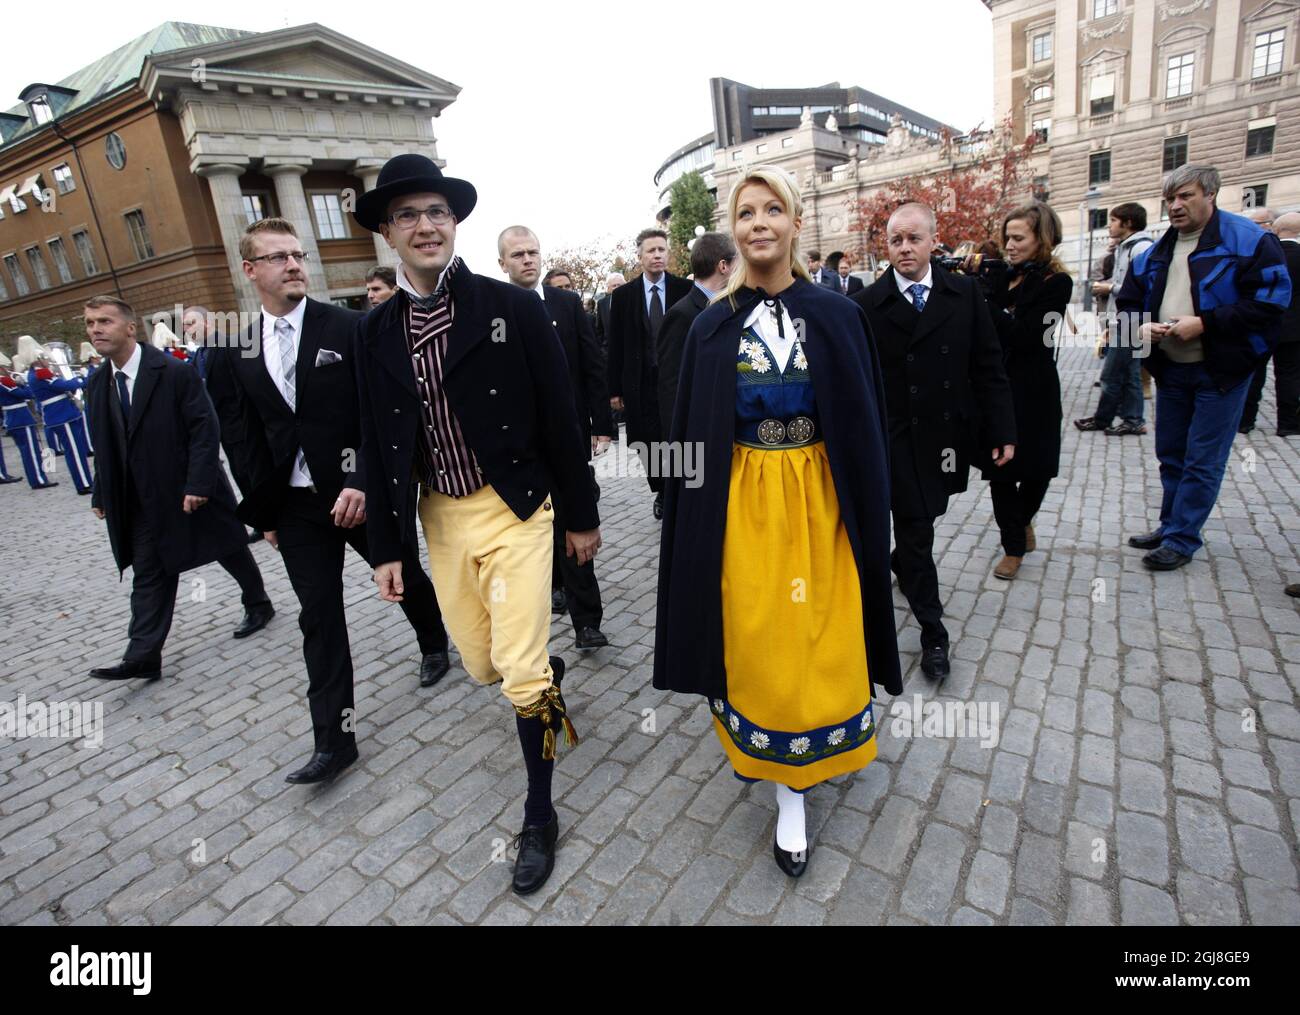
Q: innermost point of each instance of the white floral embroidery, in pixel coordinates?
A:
(760, 363)
(866, 720)
(719, 706)
(759, 740)
(836, 736)
(735, 724)
(800, 361)
(800, 745)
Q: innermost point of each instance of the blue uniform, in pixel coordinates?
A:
(20, 424)
(63, 417)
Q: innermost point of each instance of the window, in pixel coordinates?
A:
(16, 272)
(16, 203)
(1097, 218)
(760, 149)
(1101, 95)
(1178, 77)
(1041, 190)
(139, 235)
(1098, 168)
(81, 240)
(1041, 93)
(1268, 53)
(41, 110)
(1042, 127)
(329, 217)
(59, 254)
(1042, 47)
(63, 179)
(4, 290)
(1164, 211)
(1104, 8)
(737, 155)
(115, 150)
(253, 208)
(1254, 196)
(39, 271)
(1259, 141)
(1175, 153)
(787, 142)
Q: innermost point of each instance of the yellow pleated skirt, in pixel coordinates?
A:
(798, 707)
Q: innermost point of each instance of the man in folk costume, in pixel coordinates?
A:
(65, 427)
(20, 424)
(468, 420)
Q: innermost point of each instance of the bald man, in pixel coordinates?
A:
(1286, 356)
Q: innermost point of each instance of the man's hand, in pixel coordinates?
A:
(582, 545)
(599, 445)
(270, 537)
(350, 509)
(1003, 455)
(1186, 328)
(98, 513)
(1151, 333)
(192, 503)
(1101, 288)
(389, 579)
(616, 404)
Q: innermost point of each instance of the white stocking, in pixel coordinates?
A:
(791, 835)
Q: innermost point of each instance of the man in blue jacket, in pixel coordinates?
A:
(1211, 293)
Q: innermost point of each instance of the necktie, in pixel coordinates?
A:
(918, 296)
(656, 319)
(124, 395)
(288, 360)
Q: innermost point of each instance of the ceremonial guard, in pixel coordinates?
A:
(5, 364)
(20, 424)
(468, 421)
(65, 427)
(774, 589)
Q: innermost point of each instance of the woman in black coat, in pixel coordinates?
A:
(1028, 302)
(774, 584)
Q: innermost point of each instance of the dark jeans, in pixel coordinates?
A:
(1014, 507)
(1195, 426)
(913, 562)
(1286, 384)
(1121, 387)
(312, 548)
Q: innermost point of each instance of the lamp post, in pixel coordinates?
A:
(1091, 198)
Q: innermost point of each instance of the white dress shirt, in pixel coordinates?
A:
(405, 283)
(762, 320)
(299, 476)
(904, 283)
(131, 369)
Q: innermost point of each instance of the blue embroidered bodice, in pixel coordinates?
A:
(764, 392)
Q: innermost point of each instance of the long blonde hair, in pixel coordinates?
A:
(783, 186)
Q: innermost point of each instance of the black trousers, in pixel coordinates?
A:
(153, 591)
(578, 581)
(1286, 384)
(312, 548)
(913, 563)
(1014, 507)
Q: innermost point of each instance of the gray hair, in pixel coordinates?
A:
(1206, 176)
(1261, 216)
(615, 276)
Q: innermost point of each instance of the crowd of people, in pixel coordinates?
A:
(828, 413)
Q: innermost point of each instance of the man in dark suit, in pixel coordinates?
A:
(573, 585)
(636, 314)
(612, 281)
(1286, 355)
(846, 283)
(821, 274)
(944, 382)
(830, 277)
(468, 419)
(289, 400)
(712, 255)
(158, 481)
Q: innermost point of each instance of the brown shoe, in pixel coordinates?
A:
(1030, 542)
(1008, 568)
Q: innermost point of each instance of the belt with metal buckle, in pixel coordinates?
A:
(775, 433)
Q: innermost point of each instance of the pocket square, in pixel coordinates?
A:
(324, 357)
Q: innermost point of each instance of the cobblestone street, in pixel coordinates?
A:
(1146, 769)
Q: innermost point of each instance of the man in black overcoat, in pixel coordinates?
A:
(636, 315)
(159, 484)
(947, 397)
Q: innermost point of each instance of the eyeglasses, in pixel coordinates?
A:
(280, 260)
(409, 218)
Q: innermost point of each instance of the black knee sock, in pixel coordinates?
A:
(537, 805)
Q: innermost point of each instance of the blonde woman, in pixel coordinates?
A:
(774, 582)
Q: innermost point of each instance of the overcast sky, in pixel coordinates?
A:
(567, 109)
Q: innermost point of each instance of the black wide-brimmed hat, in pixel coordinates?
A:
(413, 174)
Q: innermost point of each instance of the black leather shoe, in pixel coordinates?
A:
(591, 637)
(559, 601)
(1147, 542)
(1162, 558)
(659, 505)
(254, 620)
(536, 857)
(129, 671)
(793, 864)
(47, 484)
(1246, 429)
(4, 480)
(1293, 590)
(433, 667)
(84, 493)
(324, 765)
(934, 662)
(1288, 432)
(1088, 423)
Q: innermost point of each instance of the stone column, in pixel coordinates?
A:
(222, 173)
(1139, 80)
(368, 171)
(1065, 63)
(287, 174)
(1222, 79)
